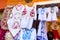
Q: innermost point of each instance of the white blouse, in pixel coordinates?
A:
(42, 14)
(52, 16)
(28, 17)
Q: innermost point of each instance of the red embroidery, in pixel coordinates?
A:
(3, 23)
(32, 13)
(24, 11)
(16, 25)
(4, 17)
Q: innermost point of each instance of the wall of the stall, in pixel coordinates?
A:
(3, 3)
(23, 1)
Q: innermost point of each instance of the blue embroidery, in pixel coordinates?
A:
(27, 34)
(42, 10)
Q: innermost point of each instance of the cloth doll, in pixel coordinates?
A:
(55, 30)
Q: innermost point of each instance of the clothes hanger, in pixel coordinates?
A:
(28, 1)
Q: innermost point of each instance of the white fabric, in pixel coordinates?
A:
(11, 26)
(39, 29)
(42, 14)
(27, 19)
(15, 20)
(49, 14)
(52, 16)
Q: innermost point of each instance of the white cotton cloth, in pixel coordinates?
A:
(14, 21)
(11, 26)
(42, 14)
(27, 19)
(52, 16)
(18, 17)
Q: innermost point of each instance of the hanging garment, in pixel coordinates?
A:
(14, 21)
(26, 23)
(20, 19)
(14, 24)
(42, 14)
(5, 17)
(42, 31)
(26, 34)
(52, 16)
(28, 15)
